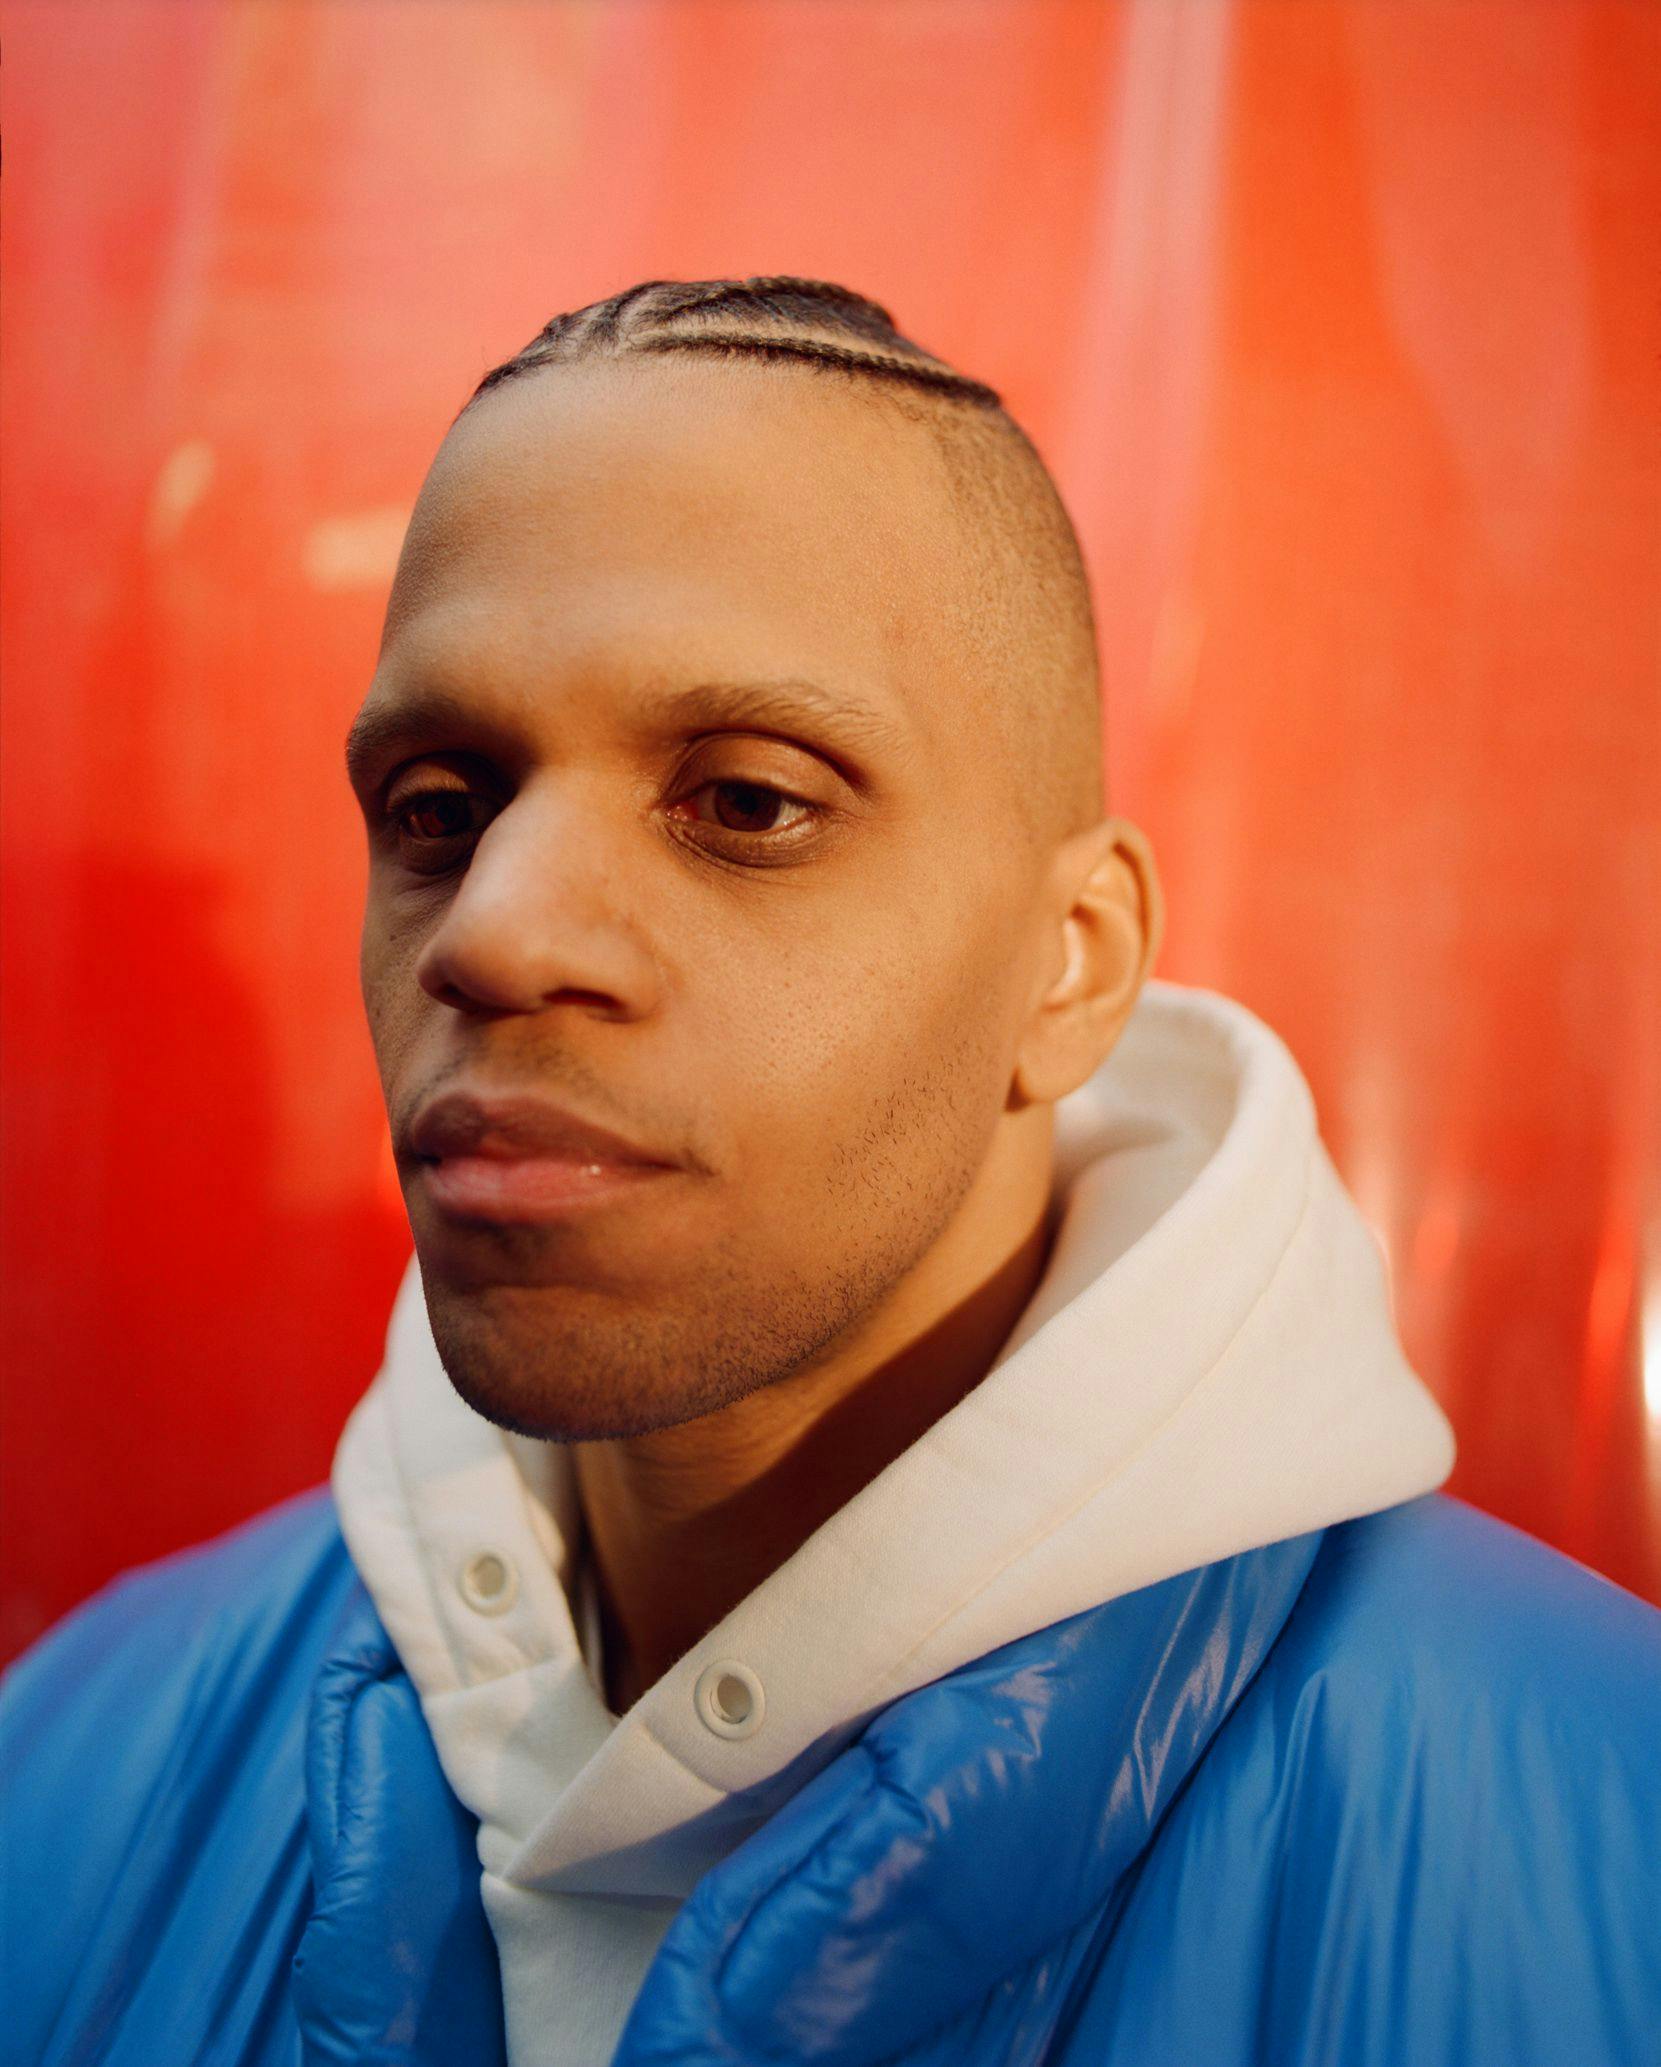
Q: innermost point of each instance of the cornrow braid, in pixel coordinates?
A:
(701, 293)
(877, 364)
(781, 297)
(753, 318)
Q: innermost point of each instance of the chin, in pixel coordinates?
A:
(538, 1365)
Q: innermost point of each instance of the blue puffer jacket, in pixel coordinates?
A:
(1386, 1793)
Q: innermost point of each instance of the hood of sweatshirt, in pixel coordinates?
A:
(1208, 1364)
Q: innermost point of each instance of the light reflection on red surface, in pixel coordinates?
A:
(1338, 325)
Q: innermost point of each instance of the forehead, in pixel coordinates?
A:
(702, 519)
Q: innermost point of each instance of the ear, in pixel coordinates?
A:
(1105, 915)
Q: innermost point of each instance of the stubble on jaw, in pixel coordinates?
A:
(577, 1362)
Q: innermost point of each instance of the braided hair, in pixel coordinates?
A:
(760, 318)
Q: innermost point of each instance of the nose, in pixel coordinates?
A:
(542, 913)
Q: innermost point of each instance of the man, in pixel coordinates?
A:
(894, 1525)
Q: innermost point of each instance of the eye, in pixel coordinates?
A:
(431, 822)
(753, 807)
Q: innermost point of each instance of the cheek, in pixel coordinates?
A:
(858, 1074)
(391, 996)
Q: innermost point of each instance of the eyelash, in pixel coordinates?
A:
(793, 835)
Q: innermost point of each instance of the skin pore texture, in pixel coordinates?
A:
(844, 1003)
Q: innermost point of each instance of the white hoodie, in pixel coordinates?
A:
(1208, 1364)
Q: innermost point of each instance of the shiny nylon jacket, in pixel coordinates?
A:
(1388, 1792)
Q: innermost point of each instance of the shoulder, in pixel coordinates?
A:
(244, 1592)
(1436, 1602)
(154, 1743)
(1443, 1663)
(1429, 1830)
(1437, 1803)
(201, 1659)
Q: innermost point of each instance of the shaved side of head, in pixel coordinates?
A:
(1032, 626)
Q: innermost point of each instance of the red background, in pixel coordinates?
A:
(1339, 326)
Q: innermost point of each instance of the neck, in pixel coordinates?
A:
(685, 1522)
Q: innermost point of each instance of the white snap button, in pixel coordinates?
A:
(729, 1698)
(489, 1582)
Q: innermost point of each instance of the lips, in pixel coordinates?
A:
(514, 1159)
(511, 1127)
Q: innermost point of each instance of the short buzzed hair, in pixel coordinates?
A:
(1031, 622)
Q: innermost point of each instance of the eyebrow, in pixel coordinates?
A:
(784, 706)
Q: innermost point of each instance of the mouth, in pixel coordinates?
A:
(510, 1191)
(514, 1159)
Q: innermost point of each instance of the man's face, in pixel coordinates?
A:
(789, 951)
